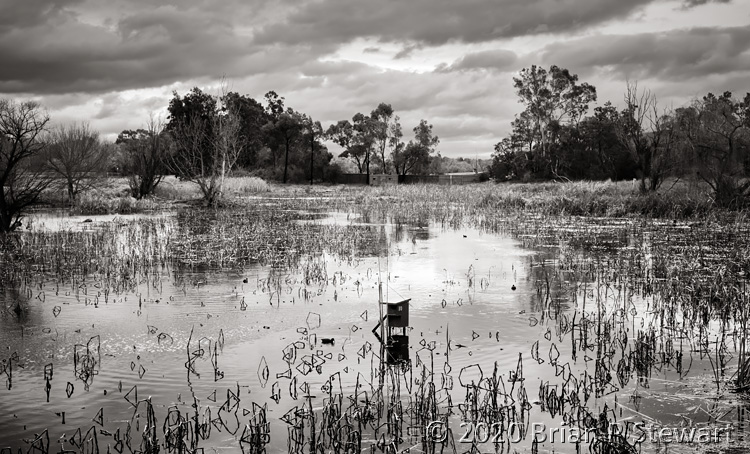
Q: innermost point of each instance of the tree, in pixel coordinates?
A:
(552, 98)
(190, 122)
(386, 129)
(357, 139)
(313, 131)
(395, 143)
(77, 156)
(145, 155)
(415, 156)
(524, 134)
(718, 129)
(599, 133)
(274, 105)
(207, 142)
(252, 119)
(508, 159)
(22, 178)
(285, 128)
(342, 133)
(364, 135)
(649, 136)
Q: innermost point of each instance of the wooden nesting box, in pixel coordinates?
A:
(398, 314)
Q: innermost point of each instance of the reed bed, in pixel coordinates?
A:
(624, 300)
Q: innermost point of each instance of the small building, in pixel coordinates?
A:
(352, 178)
(383, 179)
(398, 314)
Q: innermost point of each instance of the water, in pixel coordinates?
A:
(220, 344)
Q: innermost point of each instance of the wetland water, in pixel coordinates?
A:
(248, 332)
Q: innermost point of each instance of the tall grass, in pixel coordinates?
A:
(94, 202)
(174, 189)
(245, 185)
(600, 199)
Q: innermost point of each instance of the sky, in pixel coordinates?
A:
(116, 63)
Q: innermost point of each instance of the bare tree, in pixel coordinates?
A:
(145, 152)
(22, 177)
(666, 142)
(207, 162)
(77, 156)
(718, 129)
(649, 136)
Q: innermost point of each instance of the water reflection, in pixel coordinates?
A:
(255, 329)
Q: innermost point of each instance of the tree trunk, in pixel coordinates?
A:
(367, 161)
(312, 157)
(5, 222)
(223, 173)
(71, 192)
(286, 159)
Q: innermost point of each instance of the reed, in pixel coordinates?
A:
(623, 301)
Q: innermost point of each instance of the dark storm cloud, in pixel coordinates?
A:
(30, 13)
(407, 51)
(55, 49)
(694, 3)
(436, 22)
(497, 59)
(673, 55)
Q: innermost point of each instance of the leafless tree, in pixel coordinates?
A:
(650, 136)
(22, 176)
(77, 157)
(718, 130)
(144, 156)
(208, 165)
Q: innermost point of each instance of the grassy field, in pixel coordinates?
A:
(112, 195)
(678, 199)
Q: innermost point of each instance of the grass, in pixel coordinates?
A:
(245, 185)
(112, 195)
(174, 189)
(679, 199)
(95, 202)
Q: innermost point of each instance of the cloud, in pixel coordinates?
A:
(60, 49)
(496, 59)
(694, 3)
(31, 13)
(407, 51)
(114, 62)
(675, 55)
(435, 22)
(461, 106)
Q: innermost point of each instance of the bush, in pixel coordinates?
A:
(332, 173)
(245, 185)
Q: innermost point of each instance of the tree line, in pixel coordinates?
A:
(204, 139)
(553, 138)
(207, 136)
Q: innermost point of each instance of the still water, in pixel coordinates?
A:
(232, 360)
